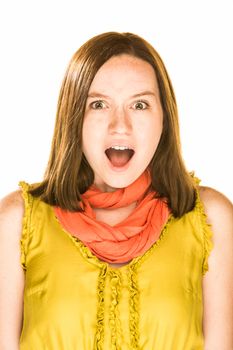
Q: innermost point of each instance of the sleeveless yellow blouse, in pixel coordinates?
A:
(74, 301)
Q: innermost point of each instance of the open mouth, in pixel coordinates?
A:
(119, 157)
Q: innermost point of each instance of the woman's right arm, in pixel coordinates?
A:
(11, 271)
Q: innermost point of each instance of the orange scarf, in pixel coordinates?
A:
(126, 240)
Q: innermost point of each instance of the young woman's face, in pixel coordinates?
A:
(123, 109)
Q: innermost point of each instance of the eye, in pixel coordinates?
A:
(140, 105)
(98, 104)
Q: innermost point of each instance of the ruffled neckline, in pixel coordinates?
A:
(91, 258)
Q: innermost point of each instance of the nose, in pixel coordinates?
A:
(120, 122)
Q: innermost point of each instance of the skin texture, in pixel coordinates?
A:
(11, 272)
(118, 116)
(217, 282)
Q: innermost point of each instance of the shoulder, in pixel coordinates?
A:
(13, 202)
(11, 272)
(218, 208)
(218, 281)
(219, 215)
(11, 212)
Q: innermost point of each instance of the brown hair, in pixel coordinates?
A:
(68, 173)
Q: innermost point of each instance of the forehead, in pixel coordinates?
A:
(125, 71)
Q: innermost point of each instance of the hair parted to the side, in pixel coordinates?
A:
(68, 173)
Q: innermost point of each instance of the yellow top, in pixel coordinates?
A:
(74, 301)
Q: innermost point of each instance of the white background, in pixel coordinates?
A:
(38, 38)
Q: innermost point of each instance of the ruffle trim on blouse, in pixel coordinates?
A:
(26, 222)
(84, 250)
(133, 309)
(207, 233)
(115, 283)
(114, 318)
(90, 257)
(136, 262)
(99, 335)
(133, 287)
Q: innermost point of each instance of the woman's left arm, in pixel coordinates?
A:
(218, 280)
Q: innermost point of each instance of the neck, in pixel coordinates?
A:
(103, 187)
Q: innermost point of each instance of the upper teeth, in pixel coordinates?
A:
(120, 147)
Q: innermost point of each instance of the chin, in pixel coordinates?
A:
(121, 181)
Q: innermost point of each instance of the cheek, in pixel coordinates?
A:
(91, 139)
(88, 132)
(93, 127)
(87, 139)
(150, 133)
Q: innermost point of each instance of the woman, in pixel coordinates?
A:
(116, 238)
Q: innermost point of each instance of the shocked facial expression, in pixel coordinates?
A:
(123, 121)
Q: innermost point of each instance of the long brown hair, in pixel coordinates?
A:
(68, 173)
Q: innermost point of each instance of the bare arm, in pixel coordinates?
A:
(218, 281)
(11, 272)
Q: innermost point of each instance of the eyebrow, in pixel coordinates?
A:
(143, 93)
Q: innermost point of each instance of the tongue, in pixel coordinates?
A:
(119, 158)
